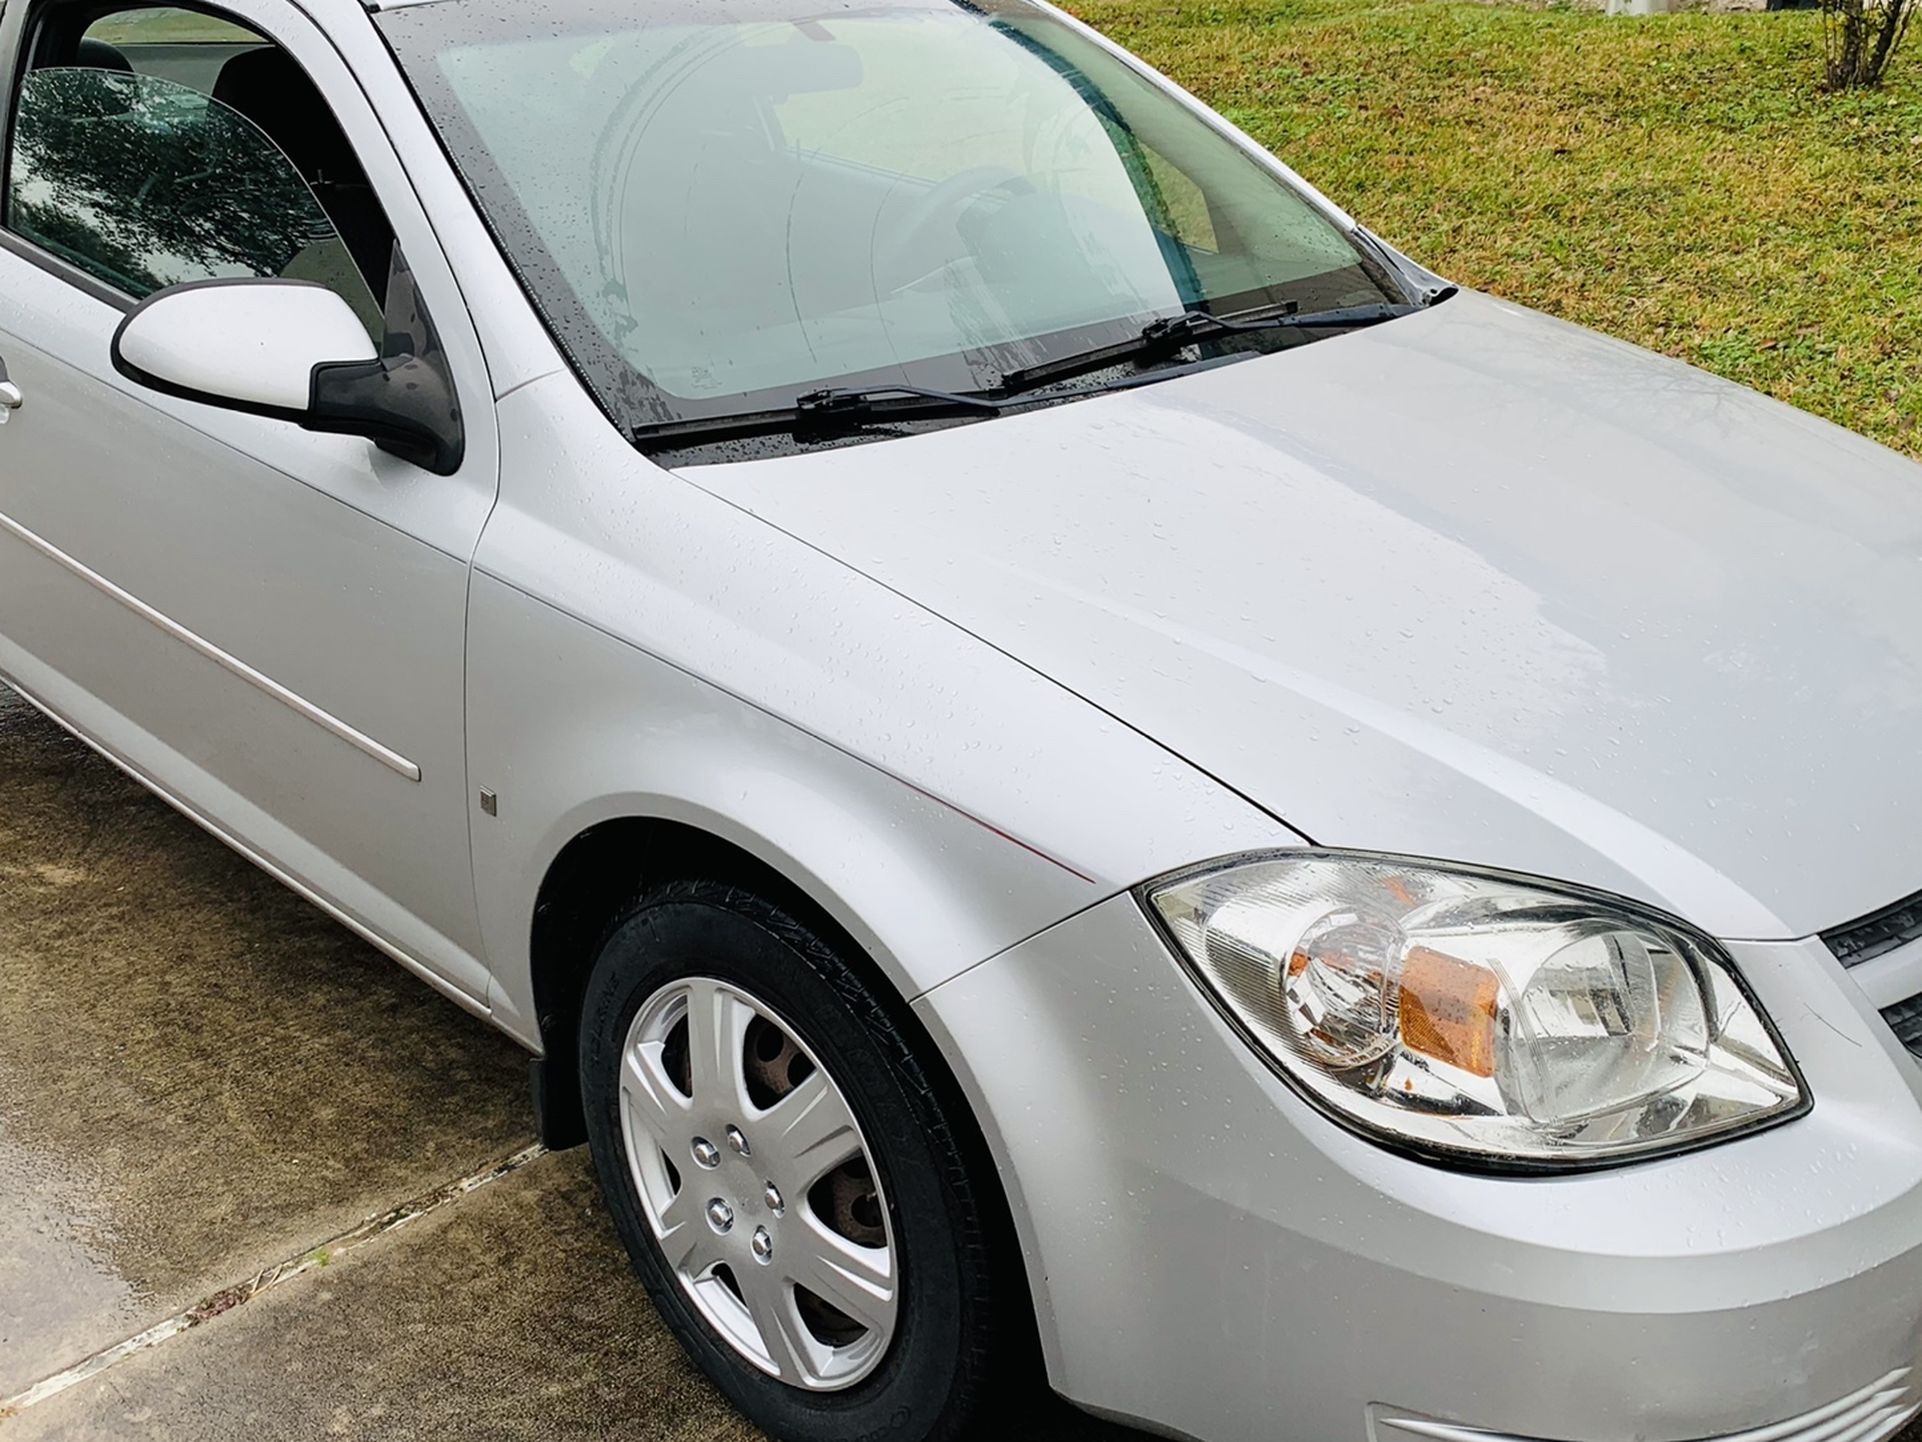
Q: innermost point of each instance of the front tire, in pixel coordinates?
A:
(788, 1183)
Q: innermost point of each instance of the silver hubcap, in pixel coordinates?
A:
(779, 1231)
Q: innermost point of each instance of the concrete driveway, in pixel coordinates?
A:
(256, 1182)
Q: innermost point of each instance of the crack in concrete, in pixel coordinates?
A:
(227, 1298)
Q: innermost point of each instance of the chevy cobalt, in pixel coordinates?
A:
(1066, 762)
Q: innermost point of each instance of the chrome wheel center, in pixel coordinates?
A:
(779, 1234)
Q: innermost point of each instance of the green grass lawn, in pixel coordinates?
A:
(1681, 181)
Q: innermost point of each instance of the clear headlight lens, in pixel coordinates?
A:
(1483, 1017)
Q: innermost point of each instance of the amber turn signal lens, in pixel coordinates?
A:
(1448, 1009)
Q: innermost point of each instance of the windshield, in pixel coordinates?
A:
(721, 208)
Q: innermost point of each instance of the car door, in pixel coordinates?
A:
(268, 624)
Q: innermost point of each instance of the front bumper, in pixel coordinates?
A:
(1214, 1258)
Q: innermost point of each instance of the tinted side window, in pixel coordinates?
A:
(144, 183)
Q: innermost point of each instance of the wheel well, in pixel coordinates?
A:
(586, 890)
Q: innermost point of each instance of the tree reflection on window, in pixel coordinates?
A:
(144, 183)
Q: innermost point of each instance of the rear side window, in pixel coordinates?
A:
(186, 46)
(141, 154)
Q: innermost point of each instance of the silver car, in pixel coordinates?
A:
(1061, 756)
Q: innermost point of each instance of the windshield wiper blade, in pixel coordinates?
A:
(821, 413)
(834, 411)
(1171, 333)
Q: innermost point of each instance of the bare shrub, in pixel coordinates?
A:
(1860, 36)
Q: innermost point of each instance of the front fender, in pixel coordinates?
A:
(601, 731)
(640, 648)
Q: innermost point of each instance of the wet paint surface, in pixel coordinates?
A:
(199, 1073)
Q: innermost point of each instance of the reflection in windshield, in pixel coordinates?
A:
(144, 183)
(726, 211)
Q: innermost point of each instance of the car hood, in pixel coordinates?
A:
(1475, 584)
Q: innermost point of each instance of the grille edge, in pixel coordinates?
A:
(1868, 937)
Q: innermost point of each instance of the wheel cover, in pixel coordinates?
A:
(758, 1185)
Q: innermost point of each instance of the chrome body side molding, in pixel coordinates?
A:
(299, 704)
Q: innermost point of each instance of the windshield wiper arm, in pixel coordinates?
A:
(1171, 333)
(856, 405)
(822, 413)
(840, 409)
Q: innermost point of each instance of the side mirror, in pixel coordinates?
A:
(292, 351)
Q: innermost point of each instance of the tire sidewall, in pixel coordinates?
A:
(926, 1379)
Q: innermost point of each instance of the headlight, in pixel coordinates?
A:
(1487, 1018)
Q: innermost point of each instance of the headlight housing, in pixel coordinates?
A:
(1486, 1019)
